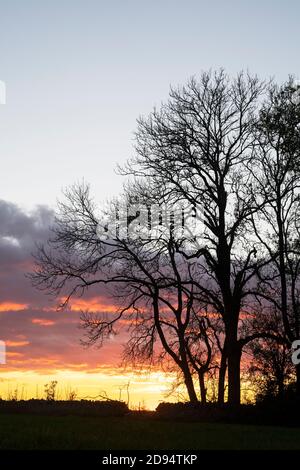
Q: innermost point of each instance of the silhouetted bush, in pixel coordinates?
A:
(275, 412)
(269, 393)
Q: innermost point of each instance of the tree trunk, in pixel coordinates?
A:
(188, 380)
(234, 379)
(222, 376)
(202, 387)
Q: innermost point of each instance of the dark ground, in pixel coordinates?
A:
(110, 433)
(110, 425)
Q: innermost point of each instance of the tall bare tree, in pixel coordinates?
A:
(215, 148)
(197, 148)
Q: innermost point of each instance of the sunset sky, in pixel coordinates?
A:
(78, 74)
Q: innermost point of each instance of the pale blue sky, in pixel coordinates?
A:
(78, 74)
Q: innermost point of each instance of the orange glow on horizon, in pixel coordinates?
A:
(13, 354)
(146, 389)
(95, 304)
(17, 344)
(12, 307)
(42, 322)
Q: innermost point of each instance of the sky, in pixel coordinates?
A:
(78, 74)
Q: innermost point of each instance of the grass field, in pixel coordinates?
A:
(73, 432)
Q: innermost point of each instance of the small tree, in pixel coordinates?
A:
(51, 390)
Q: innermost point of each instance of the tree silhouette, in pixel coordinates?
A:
(198, 148)
(277, 223)
(149, 279)
(200, 295)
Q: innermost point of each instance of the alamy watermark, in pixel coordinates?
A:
(2, 101)
(2, 92)
(296, 95)
(2, 352)
(296, 352)
(150, 222)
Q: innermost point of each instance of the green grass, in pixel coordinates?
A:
(72, 432)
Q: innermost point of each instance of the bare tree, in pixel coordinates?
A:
(149, 279)
(198, 296)
(197, 148)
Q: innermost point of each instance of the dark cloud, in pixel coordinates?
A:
(19, 232)
(38, 336)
